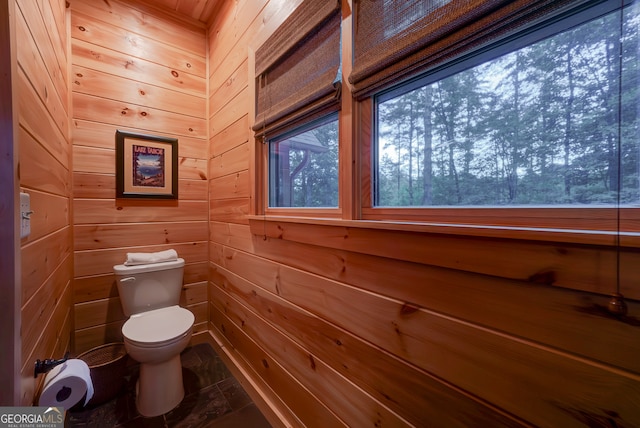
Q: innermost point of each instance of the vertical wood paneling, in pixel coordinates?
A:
(138, 69)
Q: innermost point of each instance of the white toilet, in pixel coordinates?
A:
(157, 331)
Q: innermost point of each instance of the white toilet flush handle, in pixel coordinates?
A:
(128, 279)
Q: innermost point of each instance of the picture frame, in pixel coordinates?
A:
(146, 166)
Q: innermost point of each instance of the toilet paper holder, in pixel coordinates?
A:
(48, 364)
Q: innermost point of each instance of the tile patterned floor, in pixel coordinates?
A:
(213, 398)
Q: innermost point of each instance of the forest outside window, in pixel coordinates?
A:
(303, 167)
(545, 118)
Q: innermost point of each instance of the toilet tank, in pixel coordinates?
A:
(152, 286)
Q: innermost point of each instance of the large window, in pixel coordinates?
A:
(539, 116)
(539, 125)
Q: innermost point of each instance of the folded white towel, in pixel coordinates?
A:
(147, 258)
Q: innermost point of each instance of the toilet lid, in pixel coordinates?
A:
(158, 325)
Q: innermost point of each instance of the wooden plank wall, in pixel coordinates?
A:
(10, 286)
(355, 325)
(138, 69)
(42, 89)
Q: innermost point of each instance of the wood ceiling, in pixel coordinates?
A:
(200, 10)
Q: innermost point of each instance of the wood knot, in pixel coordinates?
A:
(265, 363)
(408, 309)
(313, 362)
(81, 28)
(545, 277)
(174, 73)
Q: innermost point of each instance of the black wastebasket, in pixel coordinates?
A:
(108, 367)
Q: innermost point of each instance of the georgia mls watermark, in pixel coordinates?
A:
(31, 417)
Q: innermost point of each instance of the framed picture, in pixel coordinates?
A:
(146, 166)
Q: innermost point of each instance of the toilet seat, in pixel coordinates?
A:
(158, 327)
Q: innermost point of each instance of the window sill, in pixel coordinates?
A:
(263, 226)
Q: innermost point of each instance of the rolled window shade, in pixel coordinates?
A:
(394, 40)
(297, 68)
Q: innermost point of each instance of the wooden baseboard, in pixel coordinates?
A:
(265, 399)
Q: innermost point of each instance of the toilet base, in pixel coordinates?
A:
(159, 388)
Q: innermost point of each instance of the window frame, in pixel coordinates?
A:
(259, 150)
(588, 218)
(328, 118)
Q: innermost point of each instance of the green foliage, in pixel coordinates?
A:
(538, 126)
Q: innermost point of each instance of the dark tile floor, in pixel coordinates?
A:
(213, 398)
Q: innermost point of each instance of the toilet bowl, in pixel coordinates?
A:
(157, 331)
(155, 339)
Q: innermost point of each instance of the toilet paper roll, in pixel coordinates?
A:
(66, 384)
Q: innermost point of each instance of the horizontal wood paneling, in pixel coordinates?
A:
(41, 258)
(52, 220)
(122, 114)
(54, 13)
(40, 170)
(195, 294)
(38, 59)
(40, 308)
(582, 267)
(102, 161)
(99, 211)
(90, 81)
(136, 69)
(575, 315)
(231, 112)
(94, 186)
(106, 60)
(338, 393)
(231, 186)
(87, 338)
(233, 235)
(45, 130)
(97, 262)
(97, 287)
(42, 94)
(102, 135)
(93, 237)
(231, 162)
(383, 376)
(304, 405)
(231, 210)
(155, 25)
(103, 186)
(441, 329)
(53, 341)
(229, 89)
(90, 28)
(98, 312)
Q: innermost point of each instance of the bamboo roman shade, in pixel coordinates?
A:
(394, 40)
(297, 68)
